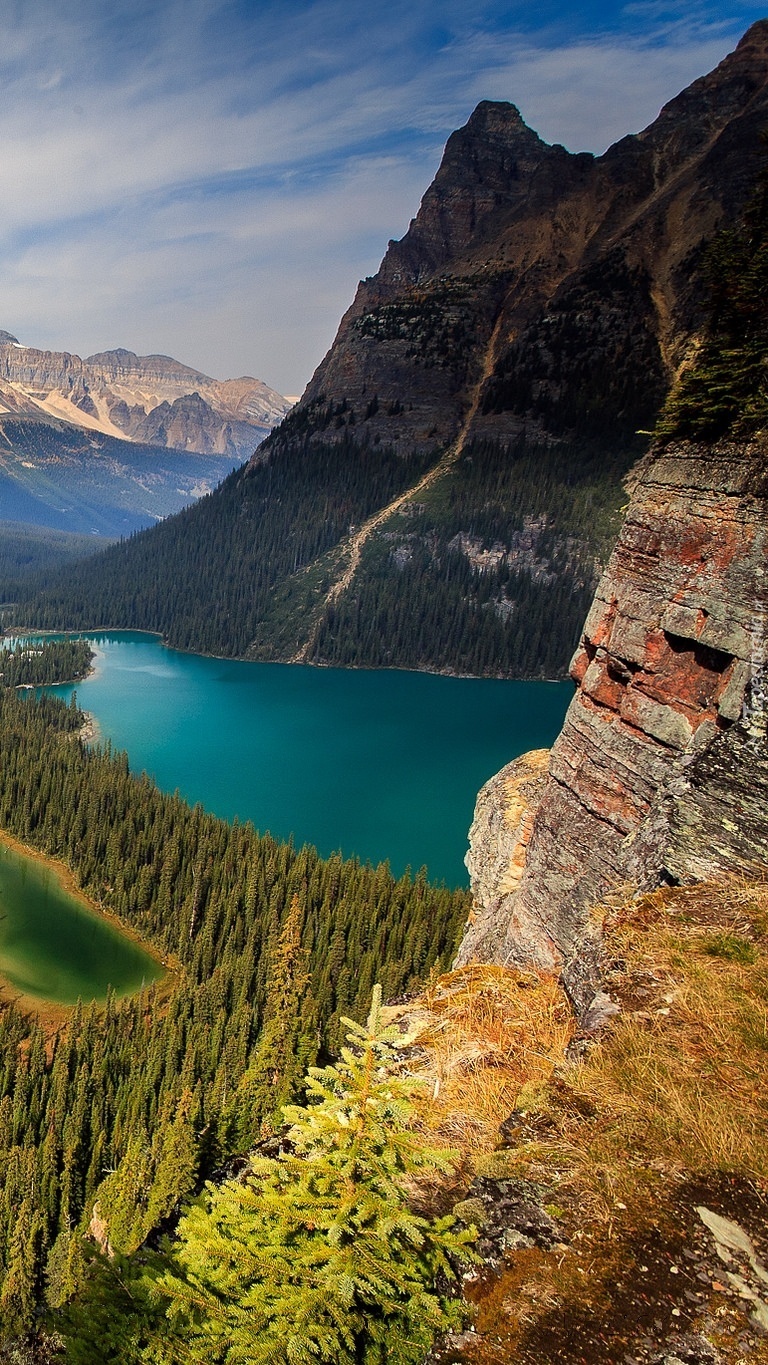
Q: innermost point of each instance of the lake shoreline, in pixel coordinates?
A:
(50, 1010)
(378, 764)
(309, 663)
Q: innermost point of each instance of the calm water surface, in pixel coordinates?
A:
(53, 946)
(382, 764)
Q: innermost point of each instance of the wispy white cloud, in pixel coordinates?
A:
(211, 177)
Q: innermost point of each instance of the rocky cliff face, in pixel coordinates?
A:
(152, 399)
(661, 771)
(528, 267)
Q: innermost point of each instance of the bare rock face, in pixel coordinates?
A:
(661, 770)
(152, 399)
(565, 285)
(498, 845)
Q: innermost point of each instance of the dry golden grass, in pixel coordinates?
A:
(484, 1034)
(669, 1108)
(680, 1081)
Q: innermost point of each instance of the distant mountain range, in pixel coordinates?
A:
(447, 489)
(149, 398)
(118, 441)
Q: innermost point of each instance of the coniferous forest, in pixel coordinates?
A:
(205, 578)
(491, 574)
(112, 1118)
(40, 665)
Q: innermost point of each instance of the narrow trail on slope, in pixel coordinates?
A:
(354, 546)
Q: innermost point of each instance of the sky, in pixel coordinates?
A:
(210, 180)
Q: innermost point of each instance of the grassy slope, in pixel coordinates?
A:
(666, 1112)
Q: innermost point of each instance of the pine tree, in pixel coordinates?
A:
(315, 1255)
(17, 1300)
(112, 1321)
(280, 1060)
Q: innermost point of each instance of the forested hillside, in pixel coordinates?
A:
(471, 577)
(265, 946)
(26, 551)
(206, 580)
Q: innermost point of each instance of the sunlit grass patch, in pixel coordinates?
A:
(666, 1110)
(484, 1033)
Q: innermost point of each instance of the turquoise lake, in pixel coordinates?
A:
(380, 764)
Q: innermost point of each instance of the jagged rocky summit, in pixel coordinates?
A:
(543, 290)
(150, 399)
(660, 773)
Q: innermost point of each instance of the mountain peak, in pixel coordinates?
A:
(495, 113)
(755, 36)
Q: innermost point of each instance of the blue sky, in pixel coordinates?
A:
(210, 180)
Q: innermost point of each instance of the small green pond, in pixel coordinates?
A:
(53, 946)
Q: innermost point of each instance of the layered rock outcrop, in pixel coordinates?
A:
(661, 770)
(152, 399)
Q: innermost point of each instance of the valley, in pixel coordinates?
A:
(508, 359)
(111, 444)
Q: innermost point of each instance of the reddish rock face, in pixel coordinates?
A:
(660, 771)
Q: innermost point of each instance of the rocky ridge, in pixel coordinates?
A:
(660, 774)
(150, 399)
(540, 301)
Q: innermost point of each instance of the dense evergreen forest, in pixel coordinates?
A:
(491, 574)
(320, 1251)
(26, 551)
(204, 578)
(40, 665)
(114, 1116)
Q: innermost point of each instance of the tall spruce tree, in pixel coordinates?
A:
(288, 1040)
(315, 1255)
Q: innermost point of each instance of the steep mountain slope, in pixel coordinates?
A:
(491, 379)
(152, 399)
